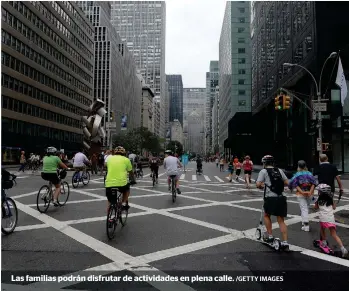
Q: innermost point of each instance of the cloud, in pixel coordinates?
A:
(193, 29)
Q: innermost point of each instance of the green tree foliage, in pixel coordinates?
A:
(175, 147)
(137, 140)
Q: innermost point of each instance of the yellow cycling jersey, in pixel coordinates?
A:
(118, 168)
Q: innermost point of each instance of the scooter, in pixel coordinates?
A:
(325, 249)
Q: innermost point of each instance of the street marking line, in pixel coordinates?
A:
(207, 178)
(24, 195)
(77, 201)
(147, 175)
(219, 179)
(31, 227)
(161, 174)
(196, 188)
(194, 178)
(182, 177)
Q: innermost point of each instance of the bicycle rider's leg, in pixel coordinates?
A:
(156, 170)
(177, 184)
(57, 192)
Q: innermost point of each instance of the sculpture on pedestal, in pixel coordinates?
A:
(94, 133)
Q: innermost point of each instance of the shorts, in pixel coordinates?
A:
(176, 179)
(276, 206)
(327, 225)
(231, 171)
(51, 177)
(112, 197)
(248, 172)
(238, 172)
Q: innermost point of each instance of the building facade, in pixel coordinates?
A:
(303, 33)
(175, 87)
(176, 131)
(142, 27)
(156, 116)
(215, 123)
(47, 76)
(194, 101)
(234, 65)
(147, 108)
(115, 75)
(212, 78)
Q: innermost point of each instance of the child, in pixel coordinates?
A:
(326, 206)
(237, 167)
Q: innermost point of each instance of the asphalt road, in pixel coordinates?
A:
(210, 228)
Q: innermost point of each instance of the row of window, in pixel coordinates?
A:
(39, 59)
(54, 20)
(29, 129)
(23, 88)
(28, 71)
(75, 13)
(35, 111)
(28, 32)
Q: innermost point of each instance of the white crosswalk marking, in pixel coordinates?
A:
(207, 178)
(219, 179)
(161, 174)
(194, 178)
(182, 177)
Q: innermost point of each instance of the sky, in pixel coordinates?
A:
(193, 28)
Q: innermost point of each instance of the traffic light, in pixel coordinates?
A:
(287, 102)
(279, 102)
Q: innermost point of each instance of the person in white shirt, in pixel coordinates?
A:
(80, 160)
(171, 165)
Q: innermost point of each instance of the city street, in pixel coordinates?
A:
(210, 227)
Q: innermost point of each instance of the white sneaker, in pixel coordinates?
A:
(344, 252)
(305, 228)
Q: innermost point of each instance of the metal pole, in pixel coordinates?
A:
(320, 123)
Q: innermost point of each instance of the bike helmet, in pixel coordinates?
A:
(51, 150)
(325, 189)
(120, 151)
(268, 159)
(169, 152)
(62, 174)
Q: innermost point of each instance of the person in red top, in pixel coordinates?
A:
(237, 168)
(247, 165)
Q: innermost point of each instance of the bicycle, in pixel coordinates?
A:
(46, 193)
(7, 212)
(173, 188)
(116, 213)
(84, 178)
(154, 178)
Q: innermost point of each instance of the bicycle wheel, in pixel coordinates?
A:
(44, 196)
(123, 214)
(174, 193)
(85, 178)
(154, 179)
(112, 221)
(64, 195)
(9, 214)
(75, 180)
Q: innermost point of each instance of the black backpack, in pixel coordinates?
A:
(276, 180)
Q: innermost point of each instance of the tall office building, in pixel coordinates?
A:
(215, 123)
(141, 25)
(234, 65)
(212, 78)
(115, 76)
(175, 87)
(47, 75)
(156, 115)
(194, 101)
(304, 33)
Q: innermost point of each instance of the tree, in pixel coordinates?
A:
(175, 147)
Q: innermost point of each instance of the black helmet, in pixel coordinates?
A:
(268, 159)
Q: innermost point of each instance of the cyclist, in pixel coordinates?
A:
(154, 163)
(171, 165)
(199, 164)
(118, 166)
(49, 171)
(133, 157)
(80, 161)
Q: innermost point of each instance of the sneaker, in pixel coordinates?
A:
(305, 228)
(285, 246)
(125, 207)
(169, 188)
(157, 182)
(344, 252)
(178, 191)
(268, 238)
(55, 203)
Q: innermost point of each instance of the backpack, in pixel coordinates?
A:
(276, 180)
(6, 179)
(154, 161)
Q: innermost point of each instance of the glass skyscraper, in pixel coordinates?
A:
(175, 87)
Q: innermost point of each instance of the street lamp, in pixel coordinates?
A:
(318, 90)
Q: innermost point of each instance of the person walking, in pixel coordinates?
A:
(237, 168)
(304, 182)
(221, 164)
(94, 162)
(326, 174)
(22, 161)
(247, 165)
(217, 162)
